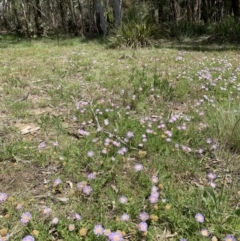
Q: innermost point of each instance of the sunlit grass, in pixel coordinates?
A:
(126, 132)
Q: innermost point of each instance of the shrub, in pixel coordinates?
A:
(228, 30)
(137, 30)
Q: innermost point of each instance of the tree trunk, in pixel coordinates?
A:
(103, 24)
(73, 17)
(189, 11)
(117, 7)
(236, 9)
(82, 31)
(5, 22)
(62, 14)
(25, 20)
(38, 18)
(52, 16)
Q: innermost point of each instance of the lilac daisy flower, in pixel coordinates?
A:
(106, 122)
(55, 143)
(3, 197)
(90, 153)
(71, 227)
(83, 132)
(155, 193)
(153, 199)
(98, 230)
(125, 217)
(143, 216)
(55, 220)
(142, 226)
(57, 182)
(87, 190)
(28, 238)
(138, 167)
(211, 176)
(42, 145)
(26, 217)
(47, 210)
(154, 179)
(130, 134)
(81, 185)
(77, 216)
(154, 189)
(122, 151)
(209, 140)
(123, 199)
(204, 232)
(199, 217)
(115, 236)
(212, 184)
(229, 237)
(107, 232)
(91, 175)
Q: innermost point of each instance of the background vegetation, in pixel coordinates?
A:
(130, 23)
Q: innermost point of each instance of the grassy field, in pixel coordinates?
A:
(103, 144)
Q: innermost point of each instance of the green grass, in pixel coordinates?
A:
(82, 98)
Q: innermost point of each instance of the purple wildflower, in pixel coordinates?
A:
(106, 122)
(211, 176)
(3, 197)
(130, 134)
(123, 199)
(199, 217)
(91, 175)
(57, 182)
(81, 185)
(153, 199)
(98, 229)
(47, 210)
(83, 133)
(55, 143)
(55, 220)
(77, 216)
(204, 232)
(26, 217)
(209, 140)
(142, 226)
(122, 151)
(90, 153)
(87, 190)
(115, 236)
(107, 232)
(138, 167)
(154, 189)
(125, 217)
(71, 227)
(42, 145)
(28, 238)
(143, 216)
(229, 237)
(212, 184)
(168, 133)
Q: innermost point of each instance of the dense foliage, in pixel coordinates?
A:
(152, 19)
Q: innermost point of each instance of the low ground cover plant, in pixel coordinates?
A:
(99, 144)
